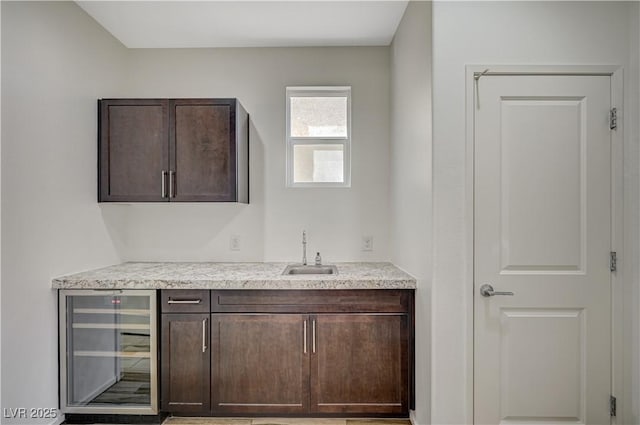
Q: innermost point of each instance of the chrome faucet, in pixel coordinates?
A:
(304, 248)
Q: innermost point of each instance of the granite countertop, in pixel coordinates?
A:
(182, 275)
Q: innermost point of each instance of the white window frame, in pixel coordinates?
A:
(324, 91)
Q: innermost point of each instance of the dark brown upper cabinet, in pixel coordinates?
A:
(173, 150)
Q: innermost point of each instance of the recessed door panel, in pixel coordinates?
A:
(543, 360)
(542, 184)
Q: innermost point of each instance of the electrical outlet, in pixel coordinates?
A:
(367, 243)
(234, 243)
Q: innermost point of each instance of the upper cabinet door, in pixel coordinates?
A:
(202, 143)
(133, 150)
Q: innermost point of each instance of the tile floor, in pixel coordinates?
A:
(282, 421)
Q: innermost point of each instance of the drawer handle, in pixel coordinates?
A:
(198, 301)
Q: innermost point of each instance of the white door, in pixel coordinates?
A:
(542, 231)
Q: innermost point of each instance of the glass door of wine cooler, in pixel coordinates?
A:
(108, 351)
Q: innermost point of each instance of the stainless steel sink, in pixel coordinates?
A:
(300, 269)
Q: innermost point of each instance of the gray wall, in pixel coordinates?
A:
(55, 62)
(411, 169)
(270, 227)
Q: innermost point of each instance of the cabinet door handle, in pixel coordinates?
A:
(172, 183)
(163, 178)
(313, 337)
(304, 339)
(170, 301)
(204, 335)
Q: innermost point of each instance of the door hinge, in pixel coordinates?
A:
(613, 408)
(613, 119)
(613, 261)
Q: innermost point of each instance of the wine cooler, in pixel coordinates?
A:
(108, 351)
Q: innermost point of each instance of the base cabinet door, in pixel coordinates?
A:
(260, 364)
(185, 364)
(359, 364)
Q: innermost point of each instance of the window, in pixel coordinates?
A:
(318, 136)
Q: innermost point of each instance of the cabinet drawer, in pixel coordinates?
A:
(184, 301)
(313, 301)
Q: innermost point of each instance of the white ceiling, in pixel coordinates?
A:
(164, 24)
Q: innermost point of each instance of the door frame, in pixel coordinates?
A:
(617, 231)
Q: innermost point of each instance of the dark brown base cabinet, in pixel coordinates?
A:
(185, 355)
(287, 353)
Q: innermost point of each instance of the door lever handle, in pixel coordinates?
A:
(486, 290)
